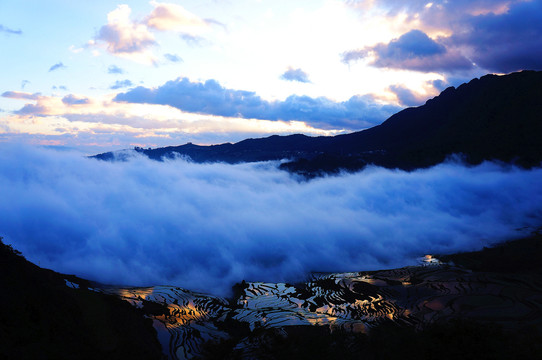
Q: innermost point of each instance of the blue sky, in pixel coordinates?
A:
(101, 75)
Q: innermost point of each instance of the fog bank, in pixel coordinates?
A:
(207, 226)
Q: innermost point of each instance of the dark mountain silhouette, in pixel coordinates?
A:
(491, 118)
(479, 305)
(43, 317)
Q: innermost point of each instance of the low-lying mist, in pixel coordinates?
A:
(207, 226)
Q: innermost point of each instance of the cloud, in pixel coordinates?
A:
(413, 50)
(215, 22)
(24, 83)
(440, 85)
(133, 39)
(20, 95)
(205, 227)
(506, 42)
(173, 17)
(98, 122)
(113, 69)
(497, 35)
(173, 58)
(295, 75)
(76, 50)
(414, 43)
(211, 98)
(406, 96)
(124, 37)
(10, 31)
(119, 84)
(57, 66)
(31, 110)
(437, 14)
(75, 100)
(193, 40)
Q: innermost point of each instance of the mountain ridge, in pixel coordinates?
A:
(490, 118)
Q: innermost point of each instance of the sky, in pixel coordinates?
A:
(99, 76)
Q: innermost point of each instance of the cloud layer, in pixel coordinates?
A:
(211, 98)
(102, 124)
(207, 226)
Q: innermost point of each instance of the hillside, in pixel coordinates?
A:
(45, 315)
(481, 305)
(491, 118)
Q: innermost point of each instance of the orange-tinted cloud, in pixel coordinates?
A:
(173, 17)
(124, 37)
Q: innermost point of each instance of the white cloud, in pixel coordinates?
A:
(133, 39)
(126, 38)
(173, 17)
(205, 227)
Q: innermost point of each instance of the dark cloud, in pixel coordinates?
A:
(205, 227)
(213, 99)
(414, 43)
(74, 100)
(497, 35)
(440, 14)
(173, 57)
(507, 42)
(413, 50)
(60, 87)
(295, 75)
(9, 31)
(119, 84)
(57, 66)
(113, 69)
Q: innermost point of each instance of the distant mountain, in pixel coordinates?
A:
(491, 118)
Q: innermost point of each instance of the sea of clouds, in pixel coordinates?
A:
(206, 226)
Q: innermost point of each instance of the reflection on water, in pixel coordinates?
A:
(134, 296)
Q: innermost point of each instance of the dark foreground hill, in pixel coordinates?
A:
(491, 118)
(481, 305)
(44, 316)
